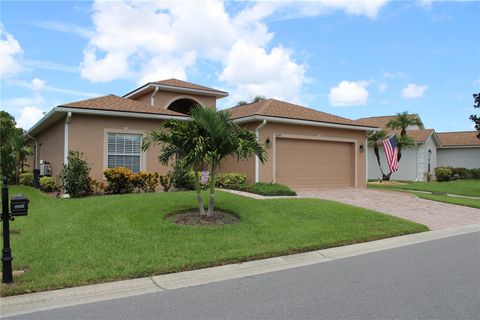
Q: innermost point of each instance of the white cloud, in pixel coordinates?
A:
(10, 53)
(149, 41)
(37, 84)
(349, 93)
(382, 87)
(28, 117)
(254, 71)
(64, 27)
(413, 91)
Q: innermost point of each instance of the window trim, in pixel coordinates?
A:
(143, 154)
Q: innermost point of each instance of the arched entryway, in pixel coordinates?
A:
(182, 105)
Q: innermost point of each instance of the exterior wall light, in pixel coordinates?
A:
(267, 143)
(362, 148)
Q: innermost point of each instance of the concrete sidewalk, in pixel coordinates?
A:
(40, 301)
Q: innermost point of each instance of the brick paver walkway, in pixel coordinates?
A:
(435, 215)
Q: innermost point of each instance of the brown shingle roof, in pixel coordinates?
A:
(420, 135)
(381, 121)
(281, 109)
(115, 103)
(184, 84)
(459, 138)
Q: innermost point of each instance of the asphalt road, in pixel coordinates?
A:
(434, 280)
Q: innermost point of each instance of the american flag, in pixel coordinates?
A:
(391, 150)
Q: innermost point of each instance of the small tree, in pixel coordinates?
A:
(203, 142)
(474, 117)
(75, 175)
(373, 141)
(13, 148)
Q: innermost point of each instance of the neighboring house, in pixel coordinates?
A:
(459, 149)
(306, 148)
(431, 150)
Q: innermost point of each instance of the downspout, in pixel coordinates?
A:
(65, 144)
(152, 97)
(257, 160)
(366, 157)
(35, 163)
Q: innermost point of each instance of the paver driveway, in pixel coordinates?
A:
(435, 215)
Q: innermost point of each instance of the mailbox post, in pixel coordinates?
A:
(18, 207)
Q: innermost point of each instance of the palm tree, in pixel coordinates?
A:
(401, 122)
(180, 140)
(204, 141)
(373, 140)
(222, 138)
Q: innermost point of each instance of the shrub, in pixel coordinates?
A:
(26, 178)
(145, 181)
(119, 180)
(96, 187)
(75, 176)
(232, 180)
(443, 174)
(166, 181)
(48, 184)
(475, 173)
(463, 173)
(181, 177)
(269, 189)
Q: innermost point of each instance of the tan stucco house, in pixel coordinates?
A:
(306, 148)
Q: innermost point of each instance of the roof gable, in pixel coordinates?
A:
(112, 102)
(178, 86)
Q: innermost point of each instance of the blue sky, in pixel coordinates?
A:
(353, 59)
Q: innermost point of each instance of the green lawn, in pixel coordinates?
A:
(461, 187)
(71, 242)
(474, 203)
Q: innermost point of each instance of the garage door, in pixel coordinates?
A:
(304, 163)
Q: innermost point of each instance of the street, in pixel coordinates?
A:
(438, 279)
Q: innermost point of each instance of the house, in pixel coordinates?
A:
(431, 150)
(306, 148)
(459, 149)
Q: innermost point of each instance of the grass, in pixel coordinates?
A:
(269, 189)
(460, 187)
(72, 242)
(467, 202)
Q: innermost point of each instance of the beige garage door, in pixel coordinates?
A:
(304, 163)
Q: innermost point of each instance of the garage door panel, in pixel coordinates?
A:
(314, 163)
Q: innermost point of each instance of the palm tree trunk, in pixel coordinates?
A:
(199, 194)
(377, 154)
(211, 204)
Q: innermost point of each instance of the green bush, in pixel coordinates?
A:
(119, 180)
(463, 173)
(443, 174)
(181, 177)
(475, 173)
(75, 176)
(48, 184)
(230, 180)
(269, 189)
(26, 178)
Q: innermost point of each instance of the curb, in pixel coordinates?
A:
(41, 301)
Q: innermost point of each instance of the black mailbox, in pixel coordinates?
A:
(19, 205)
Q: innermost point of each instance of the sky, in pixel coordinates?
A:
(350, 58)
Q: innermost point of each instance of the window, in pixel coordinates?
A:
(124, 150)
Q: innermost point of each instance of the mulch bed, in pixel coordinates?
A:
(193, 218)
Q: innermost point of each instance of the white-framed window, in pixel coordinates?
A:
(124, 150)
